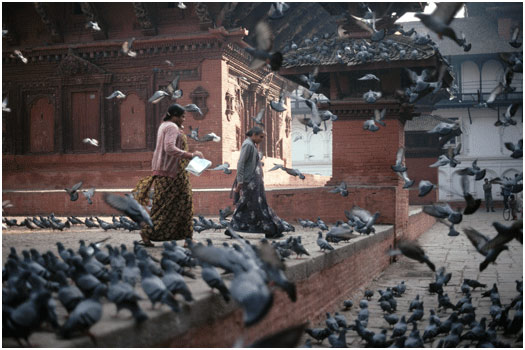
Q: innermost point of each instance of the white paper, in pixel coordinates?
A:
(197, 165)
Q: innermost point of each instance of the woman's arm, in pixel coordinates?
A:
(170, 141)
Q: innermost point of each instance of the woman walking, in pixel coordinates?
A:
(172, 207)
(253, 213)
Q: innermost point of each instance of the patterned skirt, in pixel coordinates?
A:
(171, 207)
(253, 215)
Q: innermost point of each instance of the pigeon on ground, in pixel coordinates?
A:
(338, 341)
(116, 94)
(322, 243)
(125, 297)
(318, 334)
(155, 288)
(261, 53)
(86, 314)
(130, 272)
(400, 328)
(174, 282)
(348, 304)
(413, 251)
(212, 278)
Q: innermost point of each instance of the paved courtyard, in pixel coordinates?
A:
(458, 256)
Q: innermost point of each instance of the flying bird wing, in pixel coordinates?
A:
(400, 155)
(445, 11)
(263, 36)
(174, 85)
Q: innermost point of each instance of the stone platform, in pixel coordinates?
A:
(322, 281)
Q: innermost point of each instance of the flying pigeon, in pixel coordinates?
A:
(279, 106)
(158, 96)
(93, 25)
(516, 149)
(117, 94)
(92, 142)
(342, 188)
(126, 48)
(400, 156)
(514, 37)
(413, 251)
(310, 80)
(369, 77)
(4, 106)
(173, 88)
(19, 55)
(129, 206)
(258, 118)
(369, 24)
(210, 137)
(293, 172)
(261, 54)
(371, 96)
(193, 108)
(223, 167)
(277, 10)
(181, 6)
(408, 182)
(89, 194)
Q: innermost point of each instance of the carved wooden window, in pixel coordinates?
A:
(288, 126)
(238, 137)
(199, 97)
(42, 126)
(85, 120)
(132, 123)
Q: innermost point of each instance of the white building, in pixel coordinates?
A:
(488, 27)
(311, 153)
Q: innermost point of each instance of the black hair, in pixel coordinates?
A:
(256, 130)
(175, 110)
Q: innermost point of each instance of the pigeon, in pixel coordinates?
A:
(369, 77)
(310, 80)
(439, 21)
(479, 241)
(516, 149)
(510, 112)
(93, 25)
(89, 194)
(391, 319)
(116, 94)
(366, 217)
(125, 297)
(4, 106)
(474, 170)
(413, 251)
(86, 314)
(261, 53)
(408, 183)
(173, 88)
(224, 168)
(342, 189)
(400, 328)
(417, 315)
(155, 288)
(181, 6)
(129, 206)
(126, 49)
(277, 10)
(193, 108)
(318, 334)
(348, 304)
(505, 235)
(174, 282)
(419, 81)
(158, 96)
(19, 55)
(331, 323)
(21, 321)
(279, 106)
(258, 118)
(92, 142)
(250, 290)
(210, 137)
(297, 138)
(368, 294)
(514, 37)
(322, 243)
(443, 211)
(298, 248)
(68, 295)
(400, 156)
(425, 187)
(371, 96)
(338, 341)
(289, 171)
(212, 278)
(369, 24)
(73, 191)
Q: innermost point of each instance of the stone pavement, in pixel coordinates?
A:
(458, 256)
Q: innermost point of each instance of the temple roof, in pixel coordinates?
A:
(325, 51)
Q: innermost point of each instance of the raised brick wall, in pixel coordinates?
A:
(418, 223)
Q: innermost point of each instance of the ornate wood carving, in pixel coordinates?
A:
(91, 13)
(144, 18)
(201, 10)
(74, 65)
(50, 24)
(229, 105)
(199, 97)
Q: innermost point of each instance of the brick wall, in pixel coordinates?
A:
(418, 170)
(418, 224)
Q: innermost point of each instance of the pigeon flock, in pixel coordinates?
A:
(63, 292)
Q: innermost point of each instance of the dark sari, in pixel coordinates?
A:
(253, 215)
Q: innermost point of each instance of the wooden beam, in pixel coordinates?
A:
(50, 23)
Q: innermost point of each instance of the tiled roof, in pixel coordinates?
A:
(325, 51)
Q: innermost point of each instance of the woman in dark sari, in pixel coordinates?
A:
(172, 206)
(253, 213)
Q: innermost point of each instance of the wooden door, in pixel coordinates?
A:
(133, 123)
(42, 126)
(85, 120)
